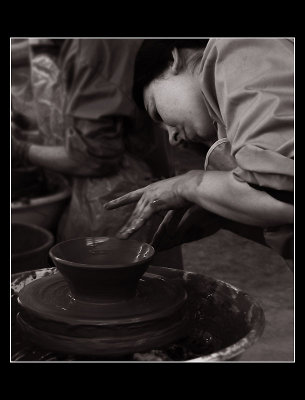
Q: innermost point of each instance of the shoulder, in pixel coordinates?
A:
(251, 44)
(241, 61)
(253, 51)
(248, 49)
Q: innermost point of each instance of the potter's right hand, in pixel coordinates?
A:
(159, 196)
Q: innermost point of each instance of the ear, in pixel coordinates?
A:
(177, 63)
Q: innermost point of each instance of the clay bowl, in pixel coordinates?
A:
(25, 180)
(30, 245)
(102, 269)
(42, 209)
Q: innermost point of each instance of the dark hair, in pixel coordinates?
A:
(152, 59)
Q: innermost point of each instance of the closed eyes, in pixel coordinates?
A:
(153, 112)
(156, 116)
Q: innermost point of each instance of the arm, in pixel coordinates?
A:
(217, 192)
(194, 223)
(257, 106)
(57, 159)
(222, 194)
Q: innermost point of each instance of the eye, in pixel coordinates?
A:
(157, 116)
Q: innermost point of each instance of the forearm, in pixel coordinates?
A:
(220, 193)
(57, 159)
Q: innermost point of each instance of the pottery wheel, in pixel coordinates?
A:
(52, 318)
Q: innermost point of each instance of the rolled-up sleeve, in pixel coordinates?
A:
(255, 90)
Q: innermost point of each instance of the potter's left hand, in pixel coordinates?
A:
(185, 225)
(161, 195)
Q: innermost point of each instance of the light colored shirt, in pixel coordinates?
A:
(248, 86)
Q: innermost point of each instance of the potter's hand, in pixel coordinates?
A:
(185, 225)
(158, 196)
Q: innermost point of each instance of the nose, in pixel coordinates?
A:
(173, 135)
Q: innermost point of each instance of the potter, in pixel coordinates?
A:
(220, 93)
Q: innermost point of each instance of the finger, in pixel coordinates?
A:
(161, 230)
(145, 208)
(135, 214)
(135, 223)
(167, 228)
(197, 223)
(157, 205)
(126, 199)
(197, 216)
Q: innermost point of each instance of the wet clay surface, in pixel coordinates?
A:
(51, 299)
(102, 268)
(218, 316)
(51, 317)
(101, 251)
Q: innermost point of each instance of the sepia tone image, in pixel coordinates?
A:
(152, 200)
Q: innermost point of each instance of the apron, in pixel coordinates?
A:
(281, 238)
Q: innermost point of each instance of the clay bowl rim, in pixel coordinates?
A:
(63, 194)
(41, 201)
(29, 168)
(99, 266)
(48, 235)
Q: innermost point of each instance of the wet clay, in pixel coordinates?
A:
(102, 268)
(222, 322)
(101, 251)
(52, 316)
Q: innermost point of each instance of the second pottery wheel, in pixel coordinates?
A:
(52, 317)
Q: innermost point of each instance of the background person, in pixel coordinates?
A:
(92, 132)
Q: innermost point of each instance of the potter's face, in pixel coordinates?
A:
(176, 101)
